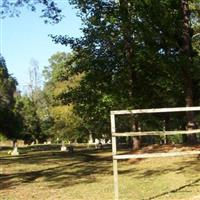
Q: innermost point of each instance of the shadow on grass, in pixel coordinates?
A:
(183, 167)
(178, 168)
(37, 153)
(197, 181)
(5, 148)
(56, 169)
(61, 169)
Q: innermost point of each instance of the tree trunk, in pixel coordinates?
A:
(137, 139)
(166, 127)
(14, 144)
(128, 56)
(189, 115)
(186, 50)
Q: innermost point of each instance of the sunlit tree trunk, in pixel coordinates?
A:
(136, 140)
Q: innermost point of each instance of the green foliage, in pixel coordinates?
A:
(59, 81)
(50, 11)
(2, 137)
(9, 121)
(122, 71)
(133, 54)
(31, 124)
(7, 86)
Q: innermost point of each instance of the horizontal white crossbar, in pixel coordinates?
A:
(155, 110)
(160, 133)
(155, 155)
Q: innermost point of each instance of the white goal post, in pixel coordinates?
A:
(143, 133)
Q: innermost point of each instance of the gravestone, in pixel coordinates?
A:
(63, 148)
(15, 152)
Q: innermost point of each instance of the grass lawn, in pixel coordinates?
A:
(40, 173)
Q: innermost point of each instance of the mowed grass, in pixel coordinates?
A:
(46, 173)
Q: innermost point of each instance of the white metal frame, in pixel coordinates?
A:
(151, 155)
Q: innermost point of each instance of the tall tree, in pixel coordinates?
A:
(187, 65)
(127, 45)
(9, 119)
(26, 108)
(59, 81)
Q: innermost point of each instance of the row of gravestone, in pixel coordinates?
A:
(97, 143)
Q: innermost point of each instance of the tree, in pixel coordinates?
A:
(127, 45)
(50, 11)
(9, 119)
(186, 52)
(31, 124)
(145, 38)
(59, 81)
(7, 86)
(34, 79)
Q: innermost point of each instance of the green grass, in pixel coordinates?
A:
(46, 173)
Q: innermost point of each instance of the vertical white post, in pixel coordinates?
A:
(114, 152)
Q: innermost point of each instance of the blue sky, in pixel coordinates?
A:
(26, 38)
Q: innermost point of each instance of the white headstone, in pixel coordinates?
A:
(63, 148)
(109, 141)
(103, 141)
(15, 152)
(90, 139)
(96, 141)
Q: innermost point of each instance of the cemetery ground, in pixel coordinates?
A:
(44, 172)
